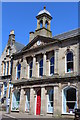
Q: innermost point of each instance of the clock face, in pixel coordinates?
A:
(38, 42)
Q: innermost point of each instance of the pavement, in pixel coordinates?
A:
(25, 116)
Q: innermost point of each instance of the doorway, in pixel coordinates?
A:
(38, 102)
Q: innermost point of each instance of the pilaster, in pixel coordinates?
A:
(43, 101)
(34, 67)
(22, 101)
(44, 64)
(32, 101)
(56, 62)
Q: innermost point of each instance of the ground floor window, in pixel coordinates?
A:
(27, 105)
(69, 100)
(50, 101)
(5, 89)
(15, 100)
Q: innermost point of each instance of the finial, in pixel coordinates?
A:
(44, 7)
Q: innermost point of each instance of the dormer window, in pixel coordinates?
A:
(18, 71)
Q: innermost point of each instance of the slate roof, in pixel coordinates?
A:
(18, 46)
(68, 34)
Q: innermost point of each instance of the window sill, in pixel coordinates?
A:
(69, 72)
(72, 114)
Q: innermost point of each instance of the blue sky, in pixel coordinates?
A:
(21, 16)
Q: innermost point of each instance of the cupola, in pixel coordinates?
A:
(44, 23)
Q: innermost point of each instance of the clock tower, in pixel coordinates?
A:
(43, 24)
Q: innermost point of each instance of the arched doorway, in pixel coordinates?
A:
(38, 102)
(69, 100)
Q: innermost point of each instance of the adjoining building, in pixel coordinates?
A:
(6, 68)
(46, 72)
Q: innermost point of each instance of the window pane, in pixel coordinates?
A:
(41, 71)
(19, 67)
(69, 66)
(7, 67)
(70, 56)
(31, 65)
(52, 61)
(30, 73)
(41, 63)
(52, 70)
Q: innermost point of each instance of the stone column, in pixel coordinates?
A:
(32, 104)
(57, 101)
(49, 25)
(34, 67)
(38, 24)
(22, 101)
(43, 105)
(43, 21)
(44, 64)
(56, 62)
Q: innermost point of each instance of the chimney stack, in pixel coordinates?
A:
(11, 37)
(31, 37)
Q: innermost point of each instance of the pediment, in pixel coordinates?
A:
(38, 41)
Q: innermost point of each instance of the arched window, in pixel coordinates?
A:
(69, 100)
(41, 67)
(69, 62)
(52, 65)
(30, 69)
(46, 24)
(18, 71)
(41, 23)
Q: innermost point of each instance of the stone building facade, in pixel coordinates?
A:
(46, 72)
(6, 68)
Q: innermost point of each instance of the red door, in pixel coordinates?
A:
(38, 106)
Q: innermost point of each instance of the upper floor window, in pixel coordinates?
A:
(7, 68)
(30, 69)
(4, 68)
(18, 71)
(69, 61)
(41, 67)
(8, 51)
(11, 67)
(52, 65)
